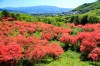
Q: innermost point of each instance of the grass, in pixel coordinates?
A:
(37, 34)
(69, 58)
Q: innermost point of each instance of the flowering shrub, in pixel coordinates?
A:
(66, 38)
(11, 51)
(56, 49)
(47, 35)
(95, 54)
(18, 42)
(90, 41)
(68, 30)
(40, 51)
(87, 44)
(15, 44)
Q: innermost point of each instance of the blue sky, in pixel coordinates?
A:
(58, 3)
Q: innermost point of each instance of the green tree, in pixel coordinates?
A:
(92, 19)
(0, 17)
(13, 15)
(18, 16)
(76, 21)
(84, 20)
(5, 13)
(72, 19)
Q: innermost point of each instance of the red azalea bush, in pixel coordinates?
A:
(90, 41)
(20, 46)
(56, 49)
(40, 51)
(17, 40)
(95, 54)
(67, 38)
(47, 35)
(11, 51)
(68, 30)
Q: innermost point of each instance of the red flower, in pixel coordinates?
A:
(11, 51)
(95, 54)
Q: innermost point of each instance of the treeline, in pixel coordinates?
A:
(5, 13)
(56, 20)
(83, 19)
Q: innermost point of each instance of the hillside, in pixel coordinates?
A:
(94, 12)
(88, 7)
(37, 9)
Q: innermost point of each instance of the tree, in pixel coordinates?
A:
(92, 19)
(72, 18)
(5, 13)
(76, 21)
(13, 16)
(84, 20)
(0, 17)
(18, 16)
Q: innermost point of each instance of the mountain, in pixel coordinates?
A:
(37, 9)
(88, 7)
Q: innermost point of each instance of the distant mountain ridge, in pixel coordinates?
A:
(37, 9)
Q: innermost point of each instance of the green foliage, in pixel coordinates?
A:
(84, 20)
(0, 16)
(92, 19)
(13, 15)
(71, 58)
(92, 16)
(89, 17)
(88, 7)
(76, 31)
(37, 34)
(58, 42)
(5, 13)
(76, 20)
(72, 19)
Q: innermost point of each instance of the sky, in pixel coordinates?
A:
(58, 3)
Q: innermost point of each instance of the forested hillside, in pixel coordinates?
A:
(88, 7)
